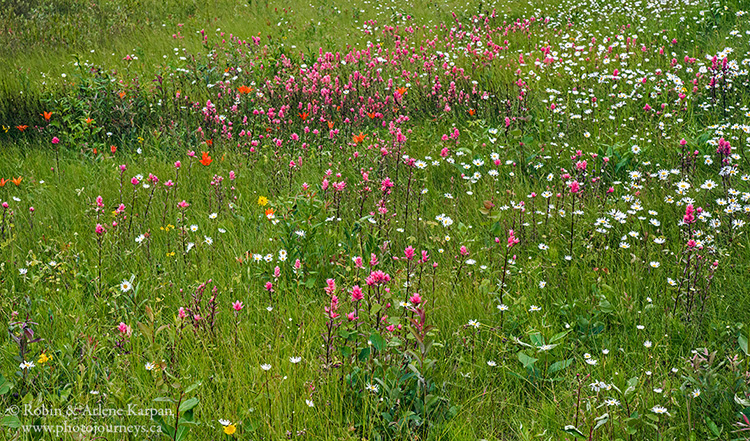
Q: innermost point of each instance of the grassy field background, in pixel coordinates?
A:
(543, 203)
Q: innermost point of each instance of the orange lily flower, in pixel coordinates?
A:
(244, 89)
(113, 148)
(22, 128)
(371, 115)
(122, 94)
(303, 115)
(205, 159)
(210, 142)
(3, 182)
(472, 112)
(47, 115)
(358, 138)
(17, 181)
(330, 125)
(401, 91)
(89, 120)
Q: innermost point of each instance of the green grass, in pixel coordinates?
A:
(604, 312)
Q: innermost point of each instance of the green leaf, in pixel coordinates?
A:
(741, 401)
(600, 421)
(526, 361)
(536, 339)
(182, 432)
(346, 351)
(571, 430)
(364, 354)
(559, 366)
(713, 427)
(378, 342)
(558, 336)
(192, 387)
(166, 429)
(632, 383)
(188, 404)
(4, 385)
(742, 340)
(187, 417)
(10, 421)
(606, 307)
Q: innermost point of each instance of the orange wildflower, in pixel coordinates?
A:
(17, 181)
(358, 138)
(113, 148)
(303, 115)
(47, 115)
(3, 182)
(22, 128)
(205, 159)
(89, 120)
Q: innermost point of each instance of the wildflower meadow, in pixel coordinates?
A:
(375, 220)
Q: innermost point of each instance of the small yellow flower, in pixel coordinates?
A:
(43, 358)
(229, 429)
(170, 254)
(262, 201)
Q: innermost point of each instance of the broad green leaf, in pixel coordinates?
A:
(364, 354)
(536, 339)
(600, 421)
(166, 429)
(526, 361)
(632, 383)
(4, 385)
(188, 404)
(10, 421)
(713, 427)
(559, 366)
(558, 336)
(377, 341)
(742, 340)
(572, 430)
(192, 387)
